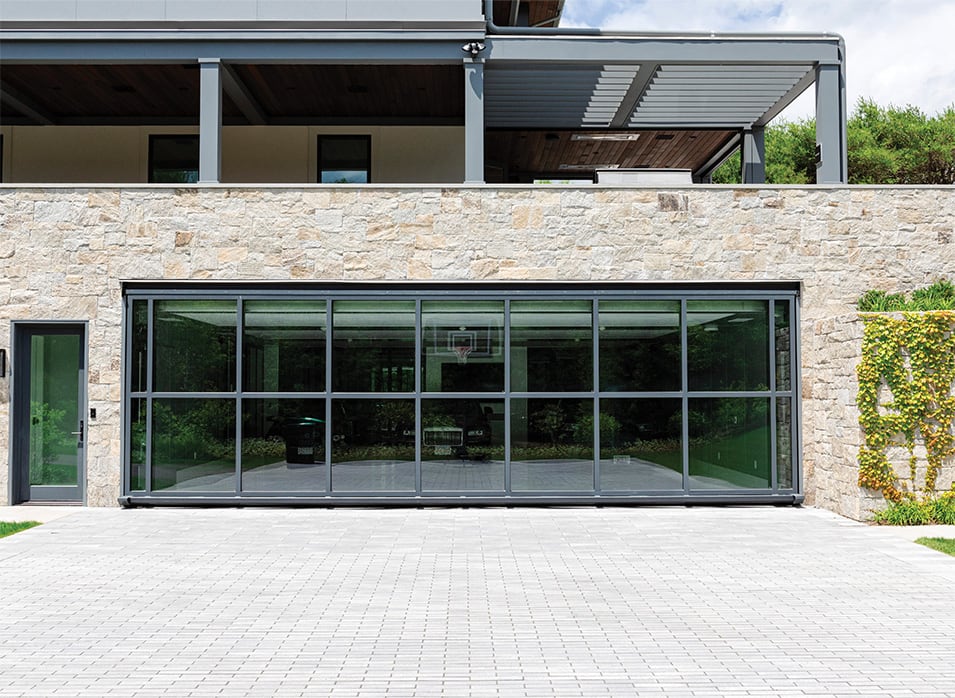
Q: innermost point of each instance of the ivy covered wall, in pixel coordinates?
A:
(906, 405)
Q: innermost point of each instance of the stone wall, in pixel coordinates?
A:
(64, 252)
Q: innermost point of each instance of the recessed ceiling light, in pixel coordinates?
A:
(605, 136)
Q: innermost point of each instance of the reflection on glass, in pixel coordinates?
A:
(641, 444)
(138, 360)
(137, 444)
(461, 346)
(373, 347)
(551, 346)
(462, 445)
(283, 445)
(729, 443)
(784, 443)
(728, 345)
(193, 445)
(783, 346)
(373, 445)
(54, 409)
(194, 346)
(283, 346)
(639, 345)
(552, 444)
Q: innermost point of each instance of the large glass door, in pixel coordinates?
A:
(50, 420)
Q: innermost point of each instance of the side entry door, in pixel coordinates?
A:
(49, 412)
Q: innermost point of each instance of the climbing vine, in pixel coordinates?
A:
(905, 397)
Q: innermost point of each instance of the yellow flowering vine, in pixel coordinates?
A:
(905, 396)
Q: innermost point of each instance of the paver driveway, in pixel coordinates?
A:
(613, 601)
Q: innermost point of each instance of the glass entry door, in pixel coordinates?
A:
(50, 412)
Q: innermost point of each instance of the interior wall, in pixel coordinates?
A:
(251, 154)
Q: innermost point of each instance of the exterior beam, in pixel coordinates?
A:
(210, 120)
(753, 156)
(625, 50)
(35, 113)
(179, 49)
(831, 148)
(638, 88)
(473, 121)
(243, 98)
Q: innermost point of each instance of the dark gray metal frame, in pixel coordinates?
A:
(505, 292)
(19, 481)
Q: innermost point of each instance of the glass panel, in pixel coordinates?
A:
(373, 346)
(462, 445)
(552, 444)
(462, 347)
(283, 445)
(551, 346)
(641, 444)
(193, 445)
(194, 344)
(784, 443)
(729, 443)
(344, 159)
(138, 360)
(728, 345)
(783, 347)
(373, 445)
(639, 345)
(54, 409)
(283, 346)
(174, 159)
(137, 444)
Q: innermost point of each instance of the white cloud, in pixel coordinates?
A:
(897, 51)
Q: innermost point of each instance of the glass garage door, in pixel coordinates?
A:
(525, 394)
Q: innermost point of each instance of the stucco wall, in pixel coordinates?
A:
(250, 154)
(64, 251)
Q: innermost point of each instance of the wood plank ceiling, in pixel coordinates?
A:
(522, 156)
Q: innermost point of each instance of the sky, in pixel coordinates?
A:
(898, 52)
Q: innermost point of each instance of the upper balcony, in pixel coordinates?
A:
(423, 91)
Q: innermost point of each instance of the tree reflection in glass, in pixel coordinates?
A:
(641, 444)
(193, 444)
(729, 443)
(552, 444)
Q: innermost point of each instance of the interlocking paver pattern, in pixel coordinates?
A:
(482, 602)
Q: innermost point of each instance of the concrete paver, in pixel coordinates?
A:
(483, 602)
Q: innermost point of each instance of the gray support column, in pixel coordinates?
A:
(831, 158)
(473, 121)
(210, 120)
(754, 155)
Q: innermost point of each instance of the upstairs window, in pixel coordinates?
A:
(174, 159)
(344, 159)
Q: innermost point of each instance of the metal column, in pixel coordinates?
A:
(473, 121)
(210, 120)
(754, 155)
(831, 157)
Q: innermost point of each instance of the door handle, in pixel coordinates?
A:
(80, 432)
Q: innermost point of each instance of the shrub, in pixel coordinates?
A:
(913, 512)
(938, 296)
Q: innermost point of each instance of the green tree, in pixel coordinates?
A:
(886, 145)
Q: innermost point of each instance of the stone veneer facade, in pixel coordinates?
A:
(65, 250)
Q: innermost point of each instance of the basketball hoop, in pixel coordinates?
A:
(463, 352)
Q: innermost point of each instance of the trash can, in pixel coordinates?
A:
(303, 439)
